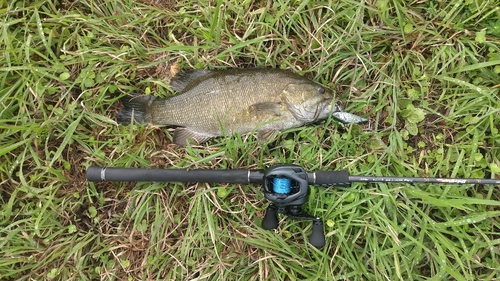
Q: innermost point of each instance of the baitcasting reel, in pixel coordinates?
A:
(287, 187)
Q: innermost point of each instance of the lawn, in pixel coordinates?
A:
(425, 73)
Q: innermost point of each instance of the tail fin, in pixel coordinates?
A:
(136, 107)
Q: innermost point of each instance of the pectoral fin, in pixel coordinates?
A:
(185, 137)
(271, 108)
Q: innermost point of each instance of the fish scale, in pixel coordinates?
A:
(221, 102)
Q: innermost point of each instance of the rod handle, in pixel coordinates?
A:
(96, 174)
(329, 178)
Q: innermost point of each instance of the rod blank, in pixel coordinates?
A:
(422, 180)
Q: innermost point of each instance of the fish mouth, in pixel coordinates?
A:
(324, 108)
(312, 113)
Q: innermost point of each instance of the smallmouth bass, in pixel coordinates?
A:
(215, 103)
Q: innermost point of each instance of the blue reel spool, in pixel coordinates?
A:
(282, 185)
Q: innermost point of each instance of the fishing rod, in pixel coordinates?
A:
(286, 186)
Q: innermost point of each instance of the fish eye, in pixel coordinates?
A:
(321, 90)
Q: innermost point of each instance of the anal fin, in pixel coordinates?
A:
(184, 137)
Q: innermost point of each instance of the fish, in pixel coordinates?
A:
(214, 103)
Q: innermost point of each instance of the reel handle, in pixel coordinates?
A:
(270, 220)
(317, 237)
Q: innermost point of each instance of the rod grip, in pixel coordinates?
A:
(330, 178)
(96, 174)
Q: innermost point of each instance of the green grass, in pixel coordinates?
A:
(426, 73)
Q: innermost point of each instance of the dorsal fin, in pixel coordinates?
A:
(182, 81)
